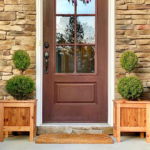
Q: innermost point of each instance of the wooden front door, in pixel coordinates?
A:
(75, 61)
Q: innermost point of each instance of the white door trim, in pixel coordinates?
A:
(111, 59)
(39, 59)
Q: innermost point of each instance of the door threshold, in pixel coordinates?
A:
(75, 128)
(77, 124)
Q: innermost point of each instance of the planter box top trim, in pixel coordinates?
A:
(131, 102)
(18, 101)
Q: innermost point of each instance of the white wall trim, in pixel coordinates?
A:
(39, 59)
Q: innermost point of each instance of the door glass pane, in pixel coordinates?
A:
(64, 7)
(65, 29)
(85, 59)
(86, 29)
(64, 59)
(88, 8)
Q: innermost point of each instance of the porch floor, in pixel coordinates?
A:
(21, 142)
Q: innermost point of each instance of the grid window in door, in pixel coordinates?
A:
(75, 37)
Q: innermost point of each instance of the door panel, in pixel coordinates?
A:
(75, 86)
(74, 95)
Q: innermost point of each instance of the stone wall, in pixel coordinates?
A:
(17, 31)
(133, 34)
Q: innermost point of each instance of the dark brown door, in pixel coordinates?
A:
(75, 73)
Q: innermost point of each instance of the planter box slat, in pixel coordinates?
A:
(16, 128)
(131, 116)
(133, 129)
(12, 113)
(17, 116)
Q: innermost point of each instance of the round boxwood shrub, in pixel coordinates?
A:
(128, 61)
(130, 88)
(21, 60)
(20, 87)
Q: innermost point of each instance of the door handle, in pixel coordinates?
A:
(46, 55)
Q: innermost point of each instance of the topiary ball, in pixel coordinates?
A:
(20, 87)
(130, 88)
(21, 60)
(128, 61)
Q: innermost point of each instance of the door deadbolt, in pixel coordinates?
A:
(46, 45)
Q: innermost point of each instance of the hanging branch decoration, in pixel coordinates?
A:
(75, 1)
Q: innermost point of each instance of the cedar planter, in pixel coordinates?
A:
(131, 116)
(17, 116)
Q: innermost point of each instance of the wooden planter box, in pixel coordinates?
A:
(17, 116)
(131, 116)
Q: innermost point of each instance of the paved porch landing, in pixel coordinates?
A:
(22, 143)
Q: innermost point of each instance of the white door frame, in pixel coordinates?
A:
(39, 59)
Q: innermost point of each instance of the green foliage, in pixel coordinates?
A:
(20, 87)
(130, 88)
(129, 61)
(21, 60)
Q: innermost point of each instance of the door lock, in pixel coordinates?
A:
(46, 55)
(46, 45)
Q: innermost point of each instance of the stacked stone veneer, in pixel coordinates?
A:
(17, 31)
(133, 34)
